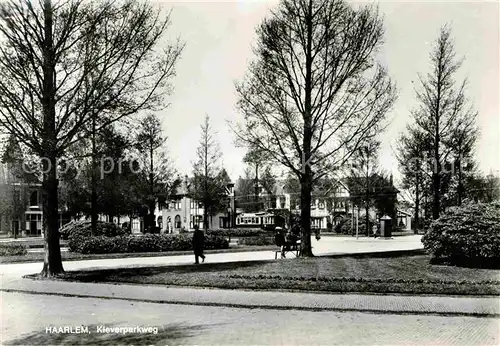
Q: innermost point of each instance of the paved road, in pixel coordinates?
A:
(25, 318)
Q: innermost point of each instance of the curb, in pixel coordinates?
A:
(263, 306)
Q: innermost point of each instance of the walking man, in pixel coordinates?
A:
(198, 244)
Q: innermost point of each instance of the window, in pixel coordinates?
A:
(321, 205)
(177, 221)
(221, 222)
(135, 225)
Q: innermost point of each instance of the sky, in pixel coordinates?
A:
(219, 38)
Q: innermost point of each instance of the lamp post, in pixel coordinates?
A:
(230, 194)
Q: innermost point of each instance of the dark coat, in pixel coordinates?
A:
(198, 241)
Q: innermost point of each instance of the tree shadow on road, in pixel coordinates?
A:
(171, 334)
(100, 275)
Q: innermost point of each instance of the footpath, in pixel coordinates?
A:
(11, 281)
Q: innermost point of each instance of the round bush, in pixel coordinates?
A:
(466, 235)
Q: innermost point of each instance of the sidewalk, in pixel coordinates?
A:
(393, 304)
(11, 281)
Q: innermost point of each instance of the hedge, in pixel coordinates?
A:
(466, 235)
(259, 240)
(107, 229)
(143, 243)
(13, 249)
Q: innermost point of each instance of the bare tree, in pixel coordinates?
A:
(206, 169)
(443, 109)
(65, 63)
(362, 170)
(157, 169)
(255, 157)
(315, 92)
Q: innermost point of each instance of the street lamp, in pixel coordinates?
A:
(230, 209)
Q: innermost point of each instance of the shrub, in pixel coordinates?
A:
(259, 240)
(344, 226)
(466, 235)
(13, 250)
(78, 231)
(146, 243)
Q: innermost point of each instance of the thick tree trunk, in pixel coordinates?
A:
(305, 215)
(151, 217)
(306, 176)
(205, 216)
(52, 263)
(436, 204)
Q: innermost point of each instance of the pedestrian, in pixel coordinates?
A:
(374, 230)
(198, 244)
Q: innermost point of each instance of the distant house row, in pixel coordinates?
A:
(330, 204)
(21, 209)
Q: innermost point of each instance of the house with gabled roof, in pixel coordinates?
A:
(182, 211)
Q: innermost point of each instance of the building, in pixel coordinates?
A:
(330, 202)
(21, 205)
(182, 212)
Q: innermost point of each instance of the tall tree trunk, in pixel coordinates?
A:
(205, 204)
(93, 198)
(151, 217)
(256, 188)
(436, 204)
(367, 197)
(52, 263)
(417, 204)
(305, 215)
(436, 174)
(306, 179)
(460, 183)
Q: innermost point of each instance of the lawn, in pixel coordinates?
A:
(405, 274)
(74, 256)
